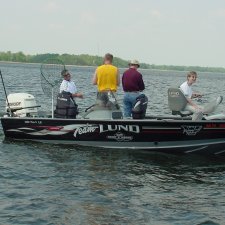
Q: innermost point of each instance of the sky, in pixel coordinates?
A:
(161, 32)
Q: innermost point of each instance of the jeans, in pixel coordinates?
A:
(129, 101)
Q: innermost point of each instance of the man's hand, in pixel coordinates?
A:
(197, 95)
(78, 95)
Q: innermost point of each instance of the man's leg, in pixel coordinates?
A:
(210, 107)
(102, 99)
(191, 108)
(127, 105)
(197, 113)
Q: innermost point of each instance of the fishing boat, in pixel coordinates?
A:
(105, 127)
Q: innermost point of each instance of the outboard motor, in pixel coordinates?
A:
(66, 106)
(139, 109)
(22, 105)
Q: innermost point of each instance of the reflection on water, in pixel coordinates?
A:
(54, 184)
(63, 184)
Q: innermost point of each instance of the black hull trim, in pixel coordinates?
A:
(170, 136)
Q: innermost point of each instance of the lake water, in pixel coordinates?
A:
(53, 184)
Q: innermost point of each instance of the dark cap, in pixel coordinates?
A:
(64, 72)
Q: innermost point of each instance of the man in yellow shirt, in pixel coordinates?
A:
(106, 78)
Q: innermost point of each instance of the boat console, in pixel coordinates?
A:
(106, 107)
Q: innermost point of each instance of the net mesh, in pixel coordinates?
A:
(51, 75)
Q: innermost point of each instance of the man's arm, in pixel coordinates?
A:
(118, 78)
(141, 83)
(192, 103)
(95, 78)
(78, 95)
(185, 92)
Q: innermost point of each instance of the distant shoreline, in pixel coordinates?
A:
(85, 66)
(85, 60)
(29, 63)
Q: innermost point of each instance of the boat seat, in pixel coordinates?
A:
(177, 102)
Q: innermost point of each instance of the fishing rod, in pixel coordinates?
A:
(10, 111)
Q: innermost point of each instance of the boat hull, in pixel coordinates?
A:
(164, 135)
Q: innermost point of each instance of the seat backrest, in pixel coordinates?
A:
(176, 99)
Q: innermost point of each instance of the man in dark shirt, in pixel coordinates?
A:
(132, 85)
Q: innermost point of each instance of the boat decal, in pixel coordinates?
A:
(126, 128)
(85, 128)
(220, 152)
(56, 130)
(214, 126)
(191, 130)
(196, 149)
(21, 129)
(160, 128)
(33, 122)
(14, 103)
(50, 128)
(14, 130)
(48, 132)
(161, 131)
(120, 137)
(26, 129)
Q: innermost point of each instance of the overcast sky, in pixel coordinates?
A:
(170, 32)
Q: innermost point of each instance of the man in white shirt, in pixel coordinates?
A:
(68, 85)
(66, 107)
(191, 106)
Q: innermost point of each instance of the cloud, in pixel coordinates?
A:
(156, 13)
(51, 7)
(55, 26)
(88, 18)
(219, 13)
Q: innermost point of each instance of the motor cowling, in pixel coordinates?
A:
(139, 109)
(21, 105)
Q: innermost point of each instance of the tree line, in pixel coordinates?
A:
(90, 60)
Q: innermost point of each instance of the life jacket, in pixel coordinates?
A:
(66, 107)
